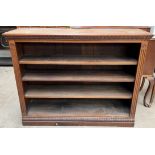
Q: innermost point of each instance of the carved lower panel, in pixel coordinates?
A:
(64, 123)
(79, 121)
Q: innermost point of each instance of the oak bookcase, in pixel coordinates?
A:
(68, 76)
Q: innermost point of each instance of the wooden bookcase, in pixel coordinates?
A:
(78, 76)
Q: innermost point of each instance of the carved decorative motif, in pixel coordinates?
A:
(82, 37)
(81, 119)
(139, 74)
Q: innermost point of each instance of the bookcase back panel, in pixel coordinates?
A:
(50, 50)
(82, 68)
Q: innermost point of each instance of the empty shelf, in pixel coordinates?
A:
(78, 108)
(77, 91)
(80, 76)
(79, 61)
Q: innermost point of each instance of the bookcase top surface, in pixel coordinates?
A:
(73, 33)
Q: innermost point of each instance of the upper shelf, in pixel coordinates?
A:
(79, 61)
(76, 34)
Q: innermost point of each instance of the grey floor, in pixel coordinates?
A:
(10, 115)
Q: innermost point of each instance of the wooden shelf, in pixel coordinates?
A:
(78, 108)
(79, 61)
(80, 76)
(78, 91)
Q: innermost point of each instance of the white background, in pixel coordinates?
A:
(77, 12)
(77, 140)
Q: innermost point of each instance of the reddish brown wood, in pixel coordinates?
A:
(17, 71)
(65, 48)
(77, 123)
(139, 74)
(76, 34)
(80, 76)
(79, 61)
(149, 66)
(78, 91)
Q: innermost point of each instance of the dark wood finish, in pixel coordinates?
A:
(77, 91)
(78, 108)
(48, 122)
(78, 76)
(17, 70)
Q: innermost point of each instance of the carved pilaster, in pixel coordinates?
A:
(140, 67)
(18, 76)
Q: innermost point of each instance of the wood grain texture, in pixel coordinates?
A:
(149, 66)
(93, 41)
(80, 76)
(139, 74)
(17, 71)
(47, 122)
(87, 112)
(86, 34)
(77, 91)
(79, 61)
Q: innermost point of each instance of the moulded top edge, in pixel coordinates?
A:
(68, 33)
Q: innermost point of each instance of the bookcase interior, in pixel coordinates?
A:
(78, 79)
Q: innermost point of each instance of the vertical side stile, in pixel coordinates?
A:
(142, 56)
(18, 76)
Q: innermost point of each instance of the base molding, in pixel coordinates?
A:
(48, 122)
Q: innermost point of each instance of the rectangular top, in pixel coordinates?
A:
(72, 33)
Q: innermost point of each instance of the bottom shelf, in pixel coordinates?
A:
(79, 108)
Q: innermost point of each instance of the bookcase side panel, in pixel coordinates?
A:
(18, 76)
(139, 74)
